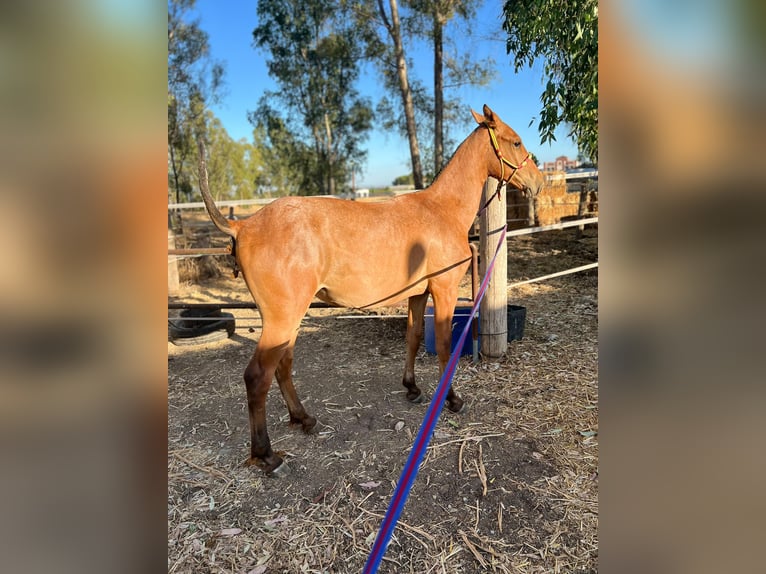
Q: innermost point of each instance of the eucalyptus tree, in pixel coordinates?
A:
(233, 165)
(314, 54)
(289, 164)
(431, 19)
(194, 81)
(384, 33)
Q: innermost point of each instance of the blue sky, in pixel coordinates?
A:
(515, 97)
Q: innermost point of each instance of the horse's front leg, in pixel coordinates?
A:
(444, 309)
(416, 310)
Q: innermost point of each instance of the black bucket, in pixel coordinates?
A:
(517, 316)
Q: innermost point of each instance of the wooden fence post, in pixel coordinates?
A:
(581, 207)
(493, 316)
(173, 282)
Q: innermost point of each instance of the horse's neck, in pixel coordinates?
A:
(459, 185)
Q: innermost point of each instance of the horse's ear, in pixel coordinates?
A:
(489, 116)
(478, 117)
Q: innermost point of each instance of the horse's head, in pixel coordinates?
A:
(509, 160)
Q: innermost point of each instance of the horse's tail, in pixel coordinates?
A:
(228, 227)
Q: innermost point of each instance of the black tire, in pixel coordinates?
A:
(189, 330)
(219, 335)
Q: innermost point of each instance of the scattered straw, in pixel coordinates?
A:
(522, 498)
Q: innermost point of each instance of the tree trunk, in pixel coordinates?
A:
(406, 93)
(330, 157)
(175, 172)
(176, 219)
(438, 95)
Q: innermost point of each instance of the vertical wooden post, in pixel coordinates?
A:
(582, 206)
(493, 311)
(173, 282)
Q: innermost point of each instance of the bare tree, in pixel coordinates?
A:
(381, 27)
(314, 57)
(435, 15)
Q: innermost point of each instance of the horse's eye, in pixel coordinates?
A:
(516, 144)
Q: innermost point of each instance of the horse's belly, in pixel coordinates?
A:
(364, 294)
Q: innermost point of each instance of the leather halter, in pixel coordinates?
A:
(503, 163)
(503, 160)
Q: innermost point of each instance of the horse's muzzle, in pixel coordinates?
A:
(532, 191)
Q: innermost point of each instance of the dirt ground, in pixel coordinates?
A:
(510, 485)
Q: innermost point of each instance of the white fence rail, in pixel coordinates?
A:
(563, 225)
(229, 202)
(574, 178)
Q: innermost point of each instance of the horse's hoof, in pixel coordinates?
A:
(308, 425)
(279, 472)
(272, 468)
(417, 399)
(457, 406)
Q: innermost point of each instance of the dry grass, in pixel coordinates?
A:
(510, 486)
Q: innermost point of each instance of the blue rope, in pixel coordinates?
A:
(411, 467)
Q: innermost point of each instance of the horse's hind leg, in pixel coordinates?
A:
(298, 415)
(416, 309)
(258, 376)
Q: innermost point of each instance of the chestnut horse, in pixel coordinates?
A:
(362, 255)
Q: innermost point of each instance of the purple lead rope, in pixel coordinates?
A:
(412, 466)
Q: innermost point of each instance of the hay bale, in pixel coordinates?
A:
(195, 269)
(553, 205)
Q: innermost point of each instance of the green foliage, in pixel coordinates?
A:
(403, 180)
(192, 76)
(233, 166)
(427, 18)
(314, 57)
(564, 33)
(289, 165)
(465, 70)
(434, 113)
(388, 110)
(194, 80)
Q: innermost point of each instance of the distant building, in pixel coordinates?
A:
(562, 163)
(361, 193)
